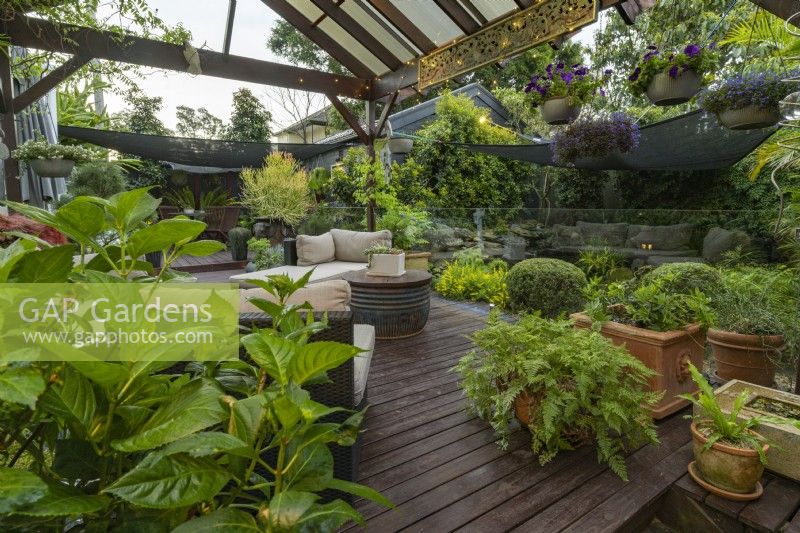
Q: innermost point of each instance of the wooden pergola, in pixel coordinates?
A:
(385, 44)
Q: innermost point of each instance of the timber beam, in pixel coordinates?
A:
(43, 35)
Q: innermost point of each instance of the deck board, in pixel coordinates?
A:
(444, 471)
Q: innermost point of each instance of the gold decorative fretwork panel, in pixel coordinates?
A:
(542, 22)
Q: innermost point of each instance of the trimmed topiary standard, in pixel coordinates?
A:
(551, 286)
(684, 278)
(237, 243)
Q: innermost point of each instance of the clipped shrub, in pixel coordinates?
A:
(264, 255)
(551, 286)
(684, 278)
(237, 243)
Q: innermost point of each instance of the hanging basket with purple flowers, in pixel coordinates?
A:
(672, 78)
(747, 101)
(593, 140)
(562, 90)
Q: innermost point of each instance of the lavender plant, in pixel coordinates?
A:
(694, 57)
(585, 138)
(576, 83)
(762, 89)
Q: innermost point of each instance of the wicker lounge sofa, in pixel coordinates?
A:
(329, 255)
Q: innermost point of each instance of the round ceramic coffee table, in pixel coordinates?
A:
(397, 306)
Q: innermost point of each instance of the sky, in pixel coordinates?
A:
(206, 20)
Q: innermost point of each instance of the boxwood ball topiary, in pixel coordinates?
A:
(551, 286)
(684, 278)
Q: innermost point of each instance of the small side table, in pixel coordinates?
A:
(398, 307)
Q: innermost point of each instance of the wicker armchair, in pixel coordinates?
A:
(340, 392)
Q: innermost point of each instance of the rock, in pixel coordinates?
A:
(525, 229)
(493, 249)
(464, 234)
(453, 244)
(438, 235)
(719, 240)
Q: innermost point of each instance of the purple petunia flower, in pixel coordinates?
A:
(635, 75)
(560, 66)
(583, 71)
(692, 50)
(608, 72)
(673, 72)
(650, 55)
(602, 92)
(567, 77)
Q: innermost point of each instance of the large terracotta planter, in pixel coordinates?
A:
(728, 467)
(417, 260)
(667, 353)
(526, 404)
(665, 90)
(745, 357)
(52, 168)
(749, 118)
(557, 111)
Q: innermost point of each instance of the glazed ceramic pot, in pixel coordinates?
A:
(749, 118)
(666, 90)
(557, 111)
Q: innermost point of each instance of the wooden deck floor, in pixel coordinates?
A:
(442, 469)
(210, 263)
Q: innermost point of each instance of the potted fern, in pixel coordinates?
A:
(671, 78)
(385, 261)
(747, 101)
(569, 387)
(561, 91)
(52, 160)
(662, 328)
(729, 456)
(183, 199)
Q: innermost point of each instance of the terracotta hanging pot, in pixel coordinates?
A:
(666, 90)
(749, 118)
(557, 111)
(52, 168)
(747, 358)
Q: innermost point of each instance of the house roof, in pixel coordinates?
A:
(410, 120)
(319, 118)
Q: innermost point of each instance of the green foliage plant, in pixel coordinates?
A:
(550, 286)
(649, 305)
(580, 384)
(250, 120)
(319, 180)
(469, 277)
(114, 445)
(601, 262)
(97, 178)
(685, 278)
(408, 224)
(758, 300)
(732, 428)
(761, 89)
(559, 80)
(182, 198)
(39, 148)
(217, 197)
(278, 190)
(264, 254)
(238, 238)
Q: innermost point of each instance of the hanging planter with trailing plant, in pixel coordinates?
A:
(52, 160)
(595, 140)
(747, 101)
(674, 78)
(561, 91)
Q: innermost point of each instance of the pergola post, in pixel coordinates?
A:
(372, 156)
(9, 126)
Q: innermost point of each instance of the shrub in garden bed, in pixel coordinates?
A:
(551, 286)
(685, 278)
(468, 277)
(579, 387)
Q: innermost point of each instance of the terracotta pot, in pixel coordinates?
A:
(749, 118)
(745, 357)
(557, 111)
(526, 404)
(52, 168)
(417, 260)
(665, 90)
(667, 353)
(727, 467)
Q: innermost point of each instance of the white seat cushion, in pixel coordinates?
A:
(323, 272)
(364, 338)
(332, 295)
